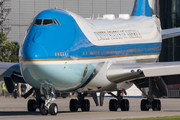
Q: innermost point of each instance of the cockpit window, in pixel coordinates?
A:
(46, 22)
(56, 22)
(38, 22)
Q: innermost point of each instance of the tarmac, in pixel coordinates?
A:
(16, 109)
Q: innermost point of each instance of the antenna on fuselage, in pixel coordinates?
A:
(98, 16)
(92, 16)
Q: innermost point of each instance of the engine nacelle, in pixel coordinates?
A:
(9, 81)
(9, 84)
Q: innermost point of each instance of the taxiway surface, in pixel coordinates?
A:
(16, 109)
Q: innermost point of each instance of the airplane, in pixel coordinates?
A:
(63, 52)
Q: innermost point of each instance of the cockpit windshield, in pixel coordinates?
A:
(46, 22)
(38, 22)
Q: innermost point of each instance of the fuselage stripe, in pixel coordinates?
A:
(89, 57)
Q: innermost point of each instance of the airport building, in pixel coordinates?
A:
(170, 18)
(21, 12)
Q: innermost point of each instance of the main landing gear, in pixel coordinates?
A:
(82, 103)
(150, 102)
(114, 104)
(44, 105)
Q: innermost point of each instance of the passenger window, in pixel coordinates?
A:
(38, 22)
(47, 22)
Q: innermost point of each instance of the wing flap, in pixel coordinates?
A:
(169, 33)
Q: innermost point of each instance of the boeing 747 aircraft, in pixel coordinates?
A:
(63, 52)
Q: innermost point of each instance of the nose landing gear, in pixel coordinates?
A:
(47, 107)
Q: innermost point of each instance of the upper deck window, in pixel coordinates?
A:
(46, 22)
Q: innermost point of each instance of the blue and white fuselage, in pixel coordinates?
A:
(62, 50)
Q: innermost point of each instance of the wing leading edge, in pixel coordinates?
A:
(128, 72)
(169, 33)
(7, 69)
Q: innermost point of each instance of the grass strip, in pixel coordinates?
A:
(155, 118)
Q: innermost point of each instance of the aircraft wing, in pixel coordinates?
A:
(7, 69)
(11, 73)
(128, 72)
(169, 33)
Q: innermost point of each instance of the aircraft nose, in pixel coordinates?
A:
(34, 51)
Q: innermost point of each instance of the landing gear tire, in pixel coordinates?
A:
(124, 105)
(144, 105)
(40, 102)
(53, 109)
(73, 106)
(112, 105)
(31, 105)
(156, 105)
(43, 110)
(85, 105)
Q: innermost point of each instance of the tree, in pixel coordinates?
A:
(8, 50)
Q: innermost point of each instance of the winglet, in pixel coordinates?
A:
(143, 8)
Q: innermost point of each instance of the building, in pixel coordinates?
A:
(170, 18)
(22, 11)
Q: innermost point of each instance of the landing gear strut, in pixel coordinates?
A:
(82, 103)
(32, 104)
(150, 102)
(119, 103)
